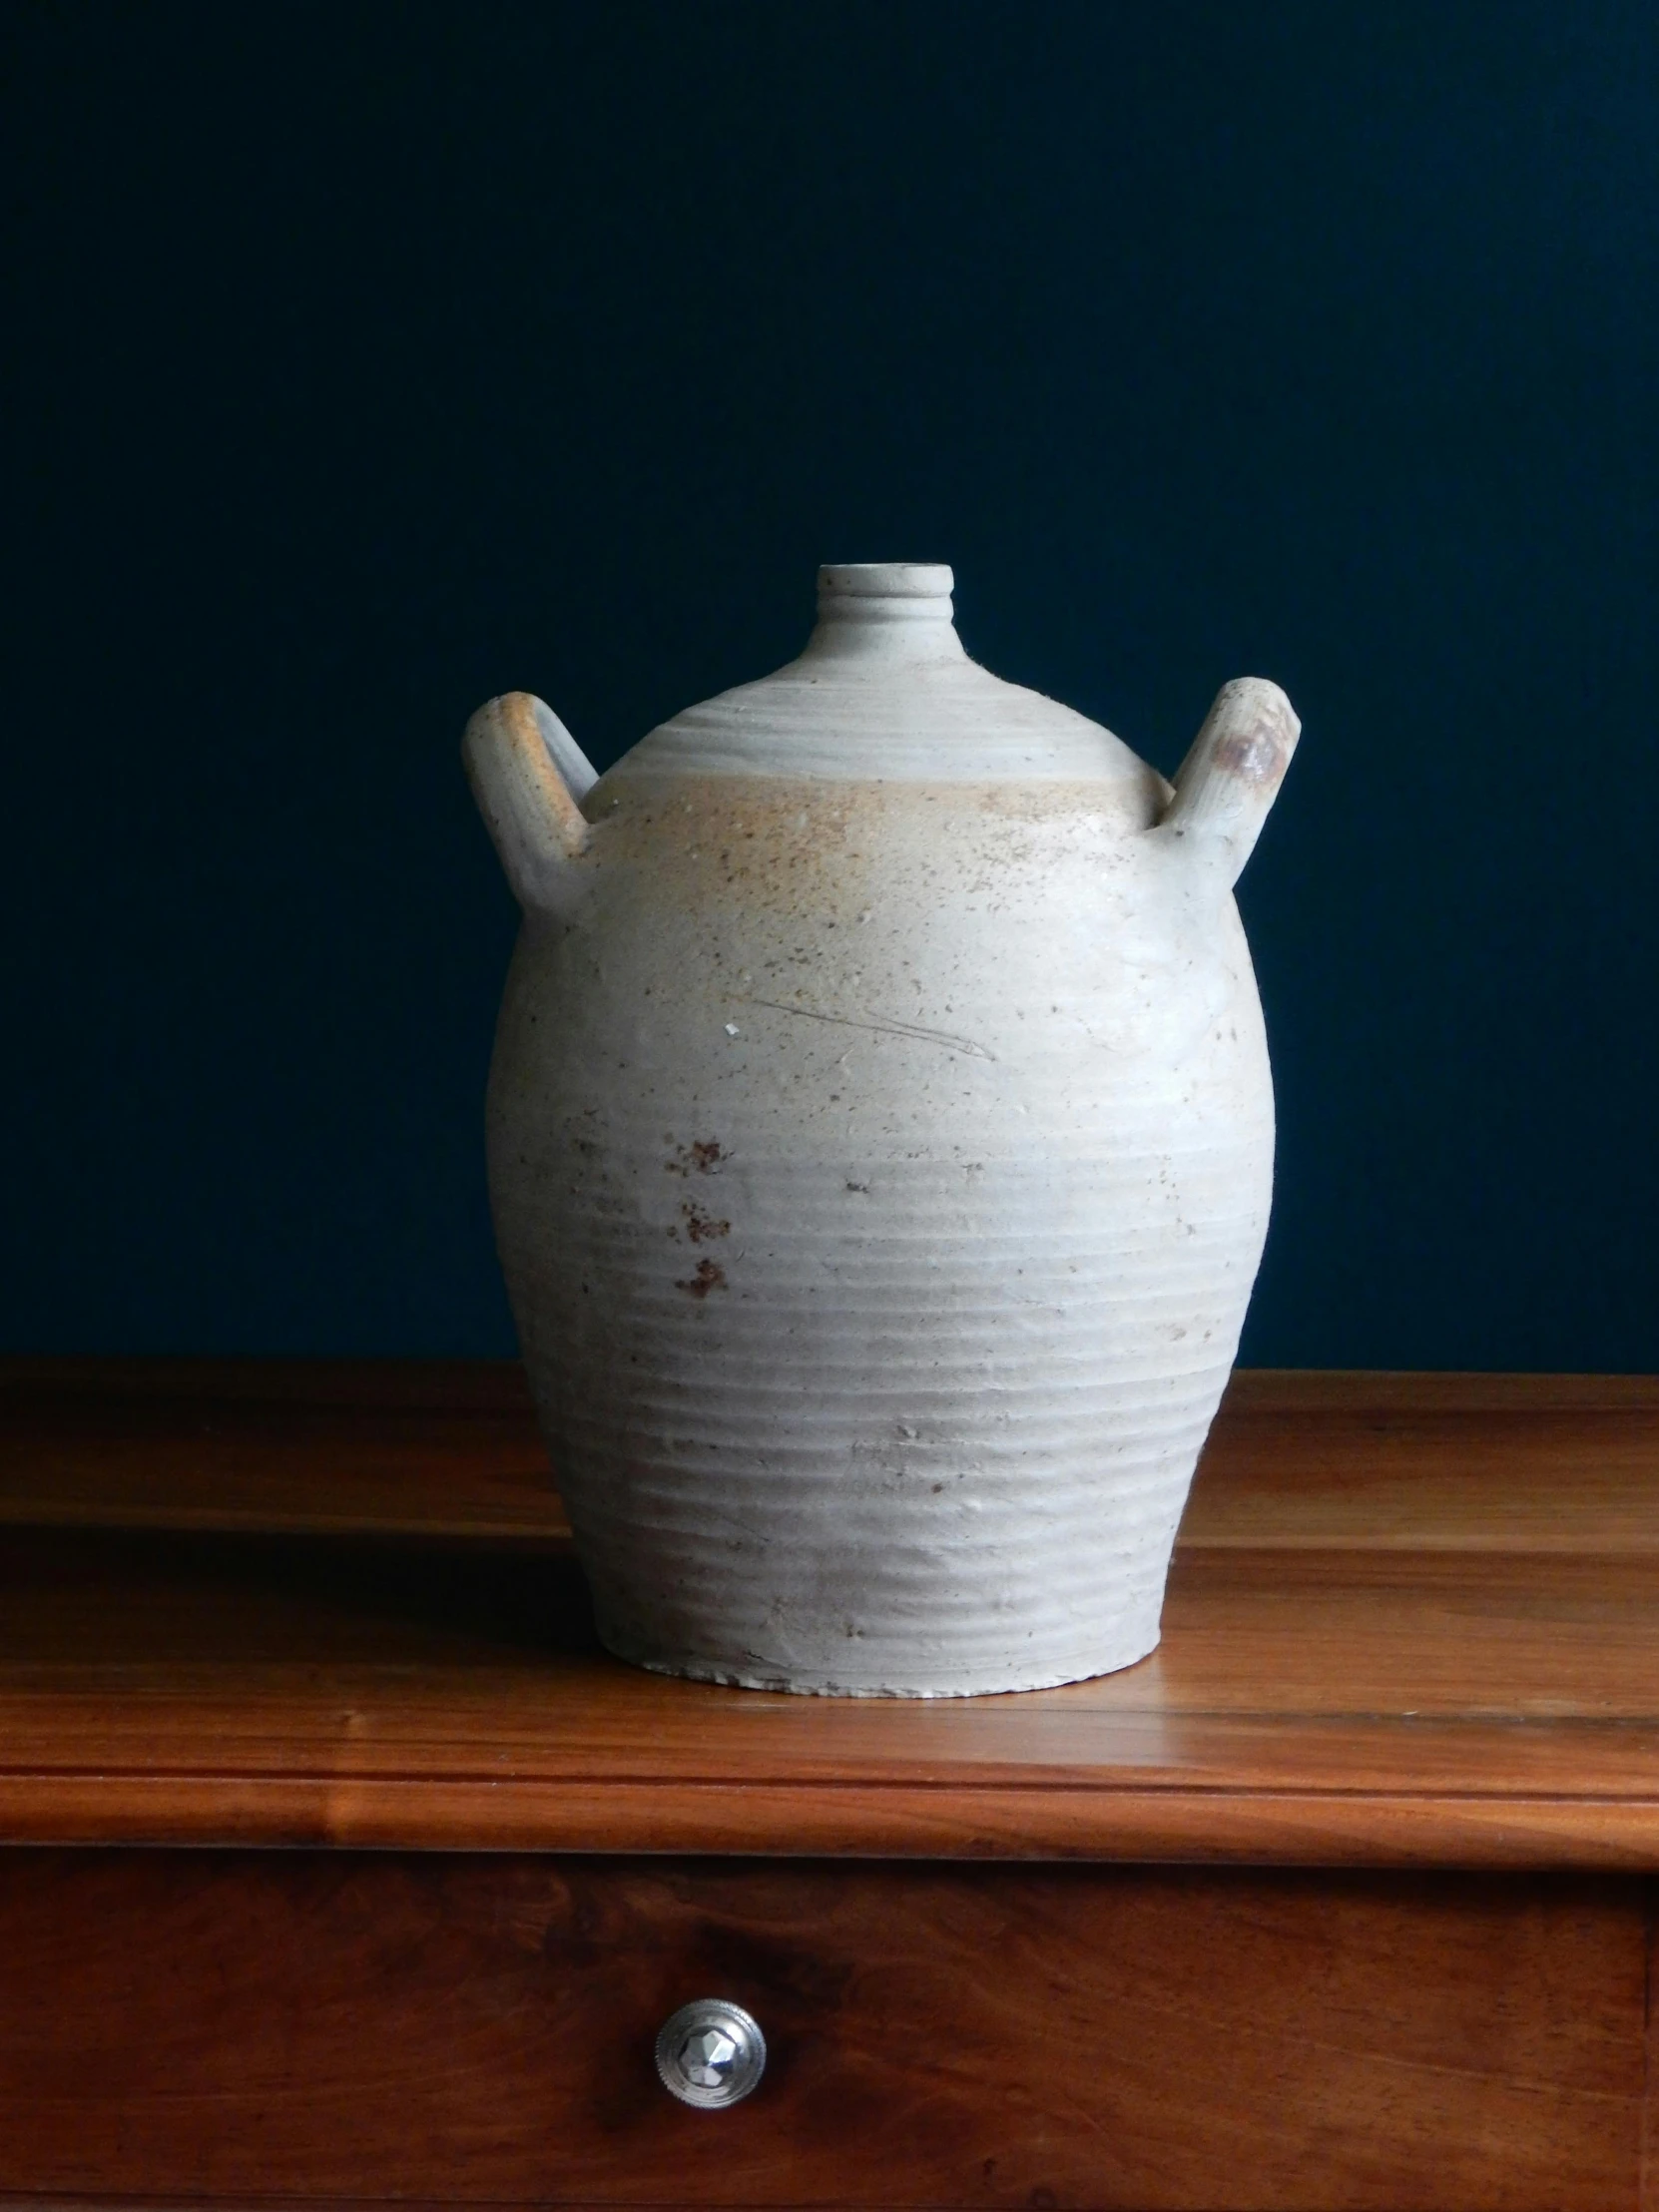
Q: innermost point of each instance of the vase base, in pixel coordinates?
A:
(806, 1683)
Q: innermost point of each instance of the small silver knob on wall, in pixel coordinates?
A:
(710, 2054)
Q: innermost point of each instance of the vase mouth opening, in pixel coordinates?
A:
(878, 611)
(851, 585)
(877, 591)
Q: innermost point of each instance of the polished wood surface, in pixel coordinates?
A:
(449, 1449)
(439, 1447)
(1413, 1620)
(245, 2025)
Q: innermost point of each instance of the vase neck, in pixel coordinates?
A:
(884, 611)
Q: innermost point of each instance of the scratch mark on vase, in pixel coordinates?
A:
(948, 1038)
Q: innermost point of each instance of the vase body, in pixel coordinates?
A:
(881, 1146)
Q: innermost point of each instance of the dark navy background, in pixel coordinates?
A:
(363, 362)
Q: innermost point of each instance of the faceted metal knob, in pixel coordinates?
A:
(710, 2054)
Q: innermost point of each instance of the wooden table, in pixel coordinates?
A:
(1341, 1899)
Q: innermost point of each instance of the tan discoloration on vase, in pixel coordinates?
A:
(936, 999)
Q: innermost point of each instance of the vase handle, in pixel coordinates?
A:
(1230, 779)
(528, 774)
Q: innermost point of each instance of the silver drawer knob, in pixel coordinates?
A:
(710, 2054)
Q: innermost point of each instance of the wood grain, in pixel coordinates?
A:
(240, 2025)
(1413, 1621)
(449, 1448)
(442, 1448)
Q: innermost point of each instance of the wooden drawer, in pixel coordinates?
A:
(262, 2024)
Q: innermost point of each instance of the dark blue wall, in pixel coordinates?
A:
(362, 363)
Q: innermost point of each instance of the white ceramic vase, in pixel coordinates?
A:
(880, 1144)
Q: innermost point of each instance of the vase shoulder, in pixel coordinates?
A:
(936, 721)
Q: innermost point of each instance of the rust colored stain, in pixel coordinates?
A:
(701, 1228)
(708, 1278)
(1254, 756)
(699, 1159)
